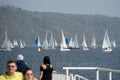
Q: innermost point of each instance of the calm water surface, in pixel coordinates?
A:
(74, 58)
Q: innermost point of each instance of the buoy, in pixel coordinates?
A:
(39, 49)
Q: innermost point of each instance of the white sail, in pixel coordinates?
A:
(11, 44)
(7, 44)
(24, 44)
(84, 44)
(45, 43)
(55, 42)
(21, 44)
(71, 43)
(76, 45)
(63, 45)
(113, 43)
(93, 43)
(15, 43)
(106, 43)
(51, 44)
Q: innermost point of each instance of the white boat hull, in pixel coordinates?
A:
(85, 49)
(64, 49)
(107, 50)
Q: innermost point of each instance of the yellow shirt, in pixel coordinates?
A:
(16, 76)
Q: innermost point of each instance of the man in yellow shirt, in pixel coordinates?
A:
(11, 73)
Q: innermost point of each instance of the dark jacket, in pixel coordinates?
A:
(21, 66)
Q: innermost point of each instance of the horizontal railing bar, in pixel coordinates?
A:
(111, 70)
(82, 68)
(91, 68)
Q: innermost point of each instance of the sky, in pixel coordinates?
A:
(84, 7)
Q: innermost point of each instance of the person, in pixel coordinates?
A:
(20, 63)
(46, 69)
(28, 74)
(11, 73)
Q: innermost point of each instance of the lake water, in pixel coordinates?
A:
(74, 58)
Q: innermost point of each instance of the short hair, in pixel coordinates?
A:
(46, 60)
(11, 61)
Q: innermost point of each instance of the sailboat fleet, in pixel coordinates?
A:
(47, 44)
(8, 45)
(65, 44)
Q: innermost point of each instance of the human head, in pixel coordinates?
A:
(46, 60)
(20, 57)
(11, 67)
(28, 74)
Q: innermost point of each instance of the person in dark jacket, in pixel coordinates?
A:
(21, 65)
(46, 69)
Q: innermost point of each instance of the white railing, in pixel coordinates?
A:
(97, 69)
(74, 77)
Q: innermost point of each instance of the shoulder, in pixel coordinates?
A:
(51, 66)
(19, 74)
(44, 66)
(20, 61)
(2, 77)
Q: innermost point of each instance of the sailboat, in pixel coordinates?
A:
(45, 43)
(51, 44)
(24, 44)
(55, 42)
(113, 44)
(71, 43)
(21, 44)
(74, 43)
(106, 43)
(84, 44)
(7, 44)
(64, 46)
(93, 43)
(38, 44)
(15, 43)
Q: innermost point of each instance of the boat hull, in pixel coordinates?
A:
(64, 49)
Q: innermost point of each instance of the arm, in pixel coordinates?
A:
(41, 75)
(41, 71)
(52, 75)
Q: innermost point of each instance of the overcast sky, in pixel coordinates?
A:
(92, 7)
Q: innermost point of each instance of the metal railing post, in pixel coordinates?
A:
(67, 74)
(97, 74)
(110, 75)
(97, 69)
